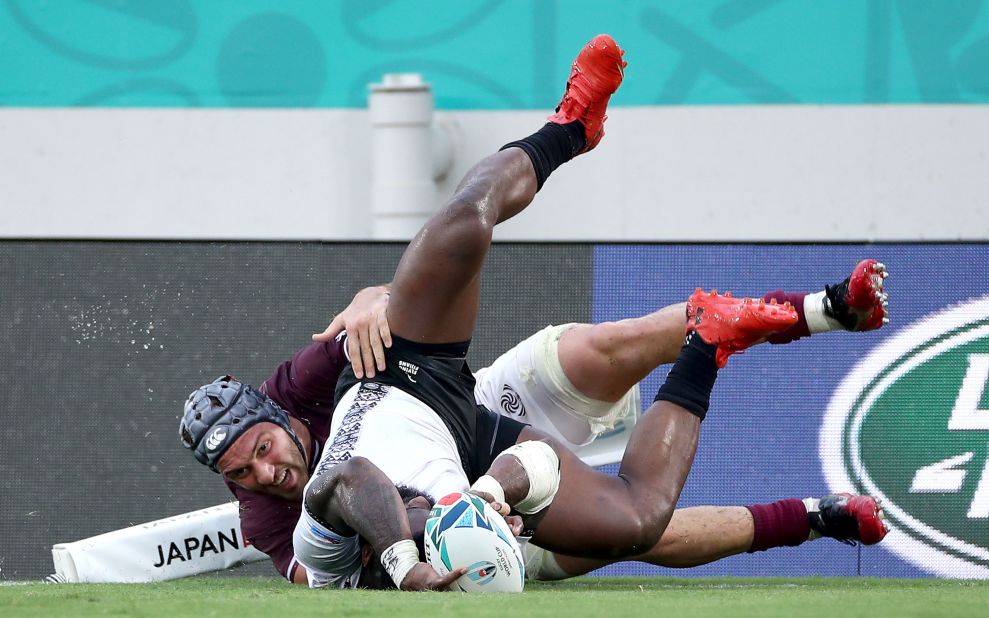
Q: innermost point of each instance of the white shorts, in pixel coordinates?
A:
(527, 383)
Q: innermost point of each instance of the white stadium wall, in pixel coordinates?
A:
(829, 173)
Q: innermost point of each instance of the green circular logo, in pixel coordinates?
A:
(910, 425)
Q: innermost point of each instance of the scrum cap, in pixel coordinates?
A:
(218, 413)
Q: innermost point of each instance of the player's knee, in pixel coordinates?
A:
(597, 358)
(541, 464)
(654, 519)
(470, 222)
(605, 337)
(615, 341)
(642, 525)
(639, 534)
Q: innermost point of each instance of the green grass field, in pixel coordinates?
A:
(223, 597)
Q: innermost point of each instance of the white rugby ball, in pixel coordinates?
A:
(464, 531)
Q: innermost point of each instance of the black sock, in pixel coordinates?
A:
(551, 147)
(692, 377)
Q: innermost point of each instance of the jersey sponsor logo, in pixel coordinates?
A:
(409, 369)
(216, 438)
(910, 425)
(193, 547)
(511, 402)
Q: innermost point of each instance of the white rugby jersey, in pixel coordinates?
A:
(400, 435)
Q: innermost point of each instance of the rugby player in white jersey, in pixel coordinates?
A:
(574, 380)
(416, 422)
(571, 381)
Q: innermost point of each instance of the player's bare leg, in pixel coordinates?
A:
(597, 515)
(434, 300)
(703, 534)
(696, 535)
(436, 289)
(603, 361)
(435, 292)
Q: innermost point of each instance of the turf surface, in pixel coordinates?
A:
(232, 597)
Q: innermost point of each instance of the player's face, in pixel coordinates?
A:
(265, 459)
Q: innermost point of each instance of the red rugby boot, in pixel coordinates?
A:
(595, 75)
(734, 324)
(849, 518)
(859, 302)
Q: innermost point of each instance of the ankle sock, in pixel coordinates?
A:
(818, 320)
(550, 147)
(692, 377)
(779, 524)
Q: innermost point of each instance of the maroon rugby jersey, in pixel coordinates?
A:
(304, 387)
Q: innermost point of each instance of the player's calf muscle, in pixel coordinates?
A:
(598, 516)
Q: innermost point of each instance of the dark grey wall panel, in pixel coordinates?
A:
(102, 341)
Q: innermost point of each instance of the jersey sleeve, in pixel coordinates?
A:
(310, 376)
(267, 522)
(293, 540)
(331, 559)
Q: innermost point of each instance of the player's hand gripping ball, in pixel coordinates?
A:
(464, 531)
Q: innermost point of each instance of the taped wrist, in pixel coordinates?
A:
(399, 559)
(542, 467)
(489, 485)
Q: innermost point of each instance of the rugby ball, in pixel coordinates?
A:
(464, 531)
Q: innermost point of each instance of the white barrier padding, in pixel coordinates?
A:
(202, 541)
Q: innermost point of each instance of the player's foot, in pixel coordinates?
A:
(595, 75)
(849, 518)
(734, 324)
(859, 303)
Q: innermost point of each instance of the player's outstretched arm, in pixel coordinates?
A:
(356, 497)
(348, 497)
(368, 334)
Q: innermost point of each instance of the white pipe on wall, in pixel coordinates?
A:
(406, 156)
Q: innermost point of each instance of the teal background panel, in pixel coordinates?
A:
(494, 54)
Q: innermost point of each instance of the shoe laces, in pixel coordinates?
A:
(834, 521)
(836, 305)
